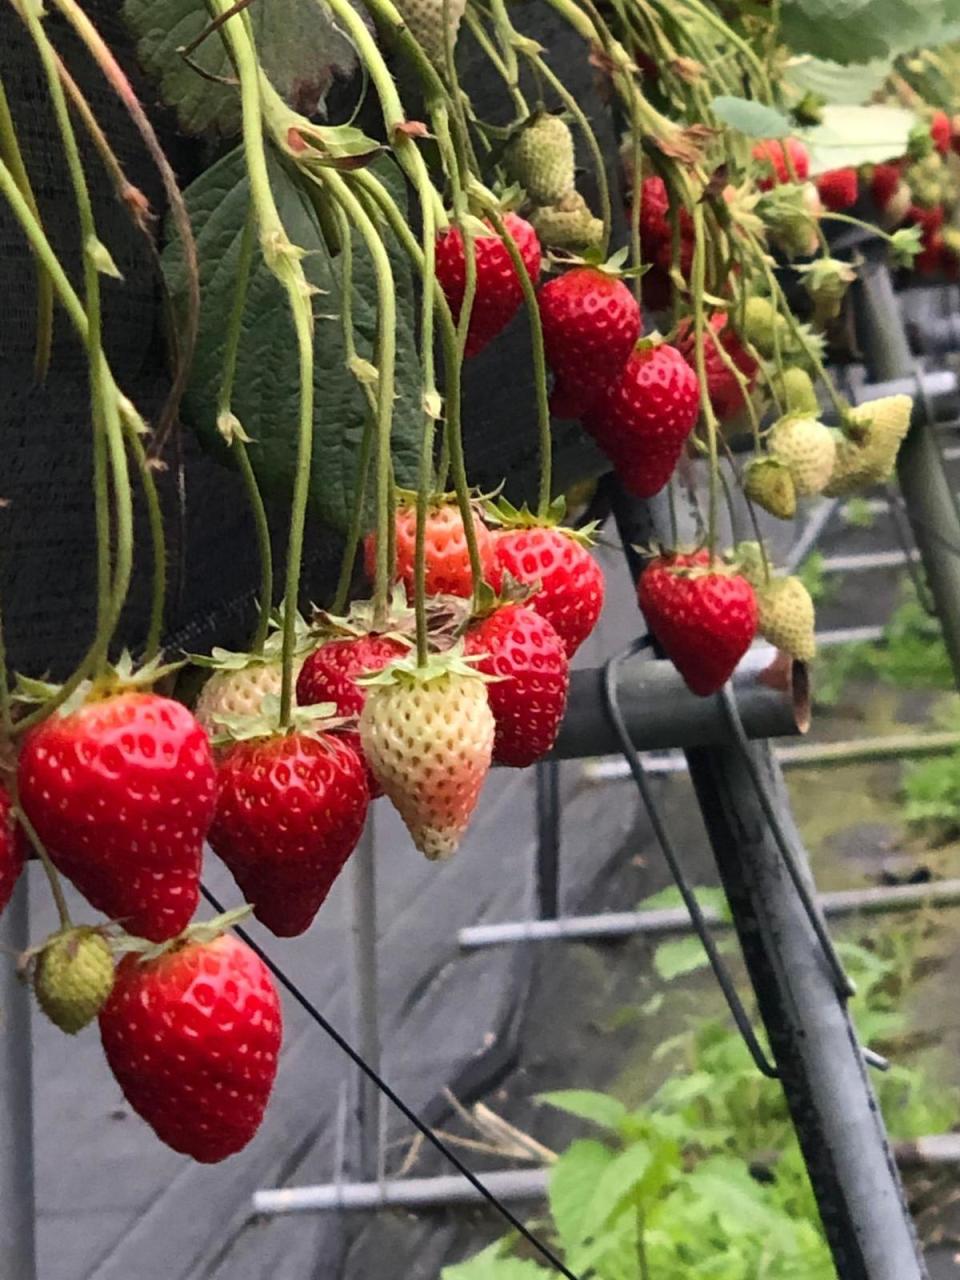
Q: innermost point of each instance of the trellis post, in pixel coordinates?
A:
(17, 1224)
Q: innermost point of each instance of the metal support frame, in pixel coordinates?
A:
(929, 500)
(671, 920)
(819, 1060)
(17, 1216)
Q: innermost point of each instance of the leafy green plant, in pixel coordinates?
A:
(932, 796)
(911, 655)
(706, 1179)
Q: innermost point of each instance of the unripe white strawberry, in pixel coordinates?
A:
(541, 158)
(427, 734)
(786, 617)
(867, 453)
(807, 448)
(239, 692)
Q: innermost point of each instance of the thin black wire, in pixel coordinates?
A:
(448, 1154)
(632, 757)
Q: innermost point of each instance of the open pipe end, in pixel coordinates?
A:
(790, 676)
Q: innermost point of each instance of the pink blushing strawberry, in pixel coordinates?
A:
(771, 157)
(446, 554)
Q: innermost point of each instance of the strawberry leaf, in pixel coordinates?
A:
(266, 394)
(299, 46)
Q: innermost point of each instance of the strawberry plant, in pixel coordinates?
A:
(335, 298)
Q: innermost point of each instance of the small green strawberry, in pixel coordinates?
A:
(786, 617)
(568, 224)
(807, 448)
(769, 483)
(73, 977)
(867, 450)
(795, 391)
(541, 158)
(765, 327)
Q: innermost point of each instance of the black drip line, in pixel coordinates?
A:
(407, 1112)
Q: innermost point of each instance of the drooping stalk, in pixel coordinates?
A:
(431, 410)
(284, 261)
(236, 440)
(709, 417)
(118, 81)
(11, 155)
(158, 544)
(539, 361)
(386, 348)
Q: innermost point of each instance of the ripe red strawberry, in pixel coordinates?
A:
(643, 416)
(725, 393)
(446, 555)
(838, 189)
(704, 617)
(591, 322)
(530, 695)
(885, 183)
(571, 581)
(11, 852)
(290, 809)
(330, 675)
(941, 131)
(121, 793)
(656, 228)
(771, 157)
(499, 293)
(193, 1038)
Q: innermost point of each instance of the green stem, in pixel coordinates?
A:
(92, 309)
(341, 191)
(539, 361)
(158, 593)
(225, 420)
(13, 157)
(284, 260)
(452, 363)
(431, 409)
(697, 284)
(476, 29)
(356, 518)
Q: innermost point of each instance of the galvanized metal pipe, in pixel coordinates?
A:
(772, 693)
(408, 1193)
(366, 999)
(671, 920)
(929, 499)
(17, 1226)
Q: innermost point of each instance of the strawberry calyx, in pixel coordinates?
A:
(512, 591)
(201, 931)
(313, 720)
(439, 666)
(505, 516)
(70, 933)
(122, 677)
(227, 660)
(399, 623)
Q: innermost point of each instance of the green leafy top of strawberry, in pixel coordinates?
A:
(314, 720)
(505, 515)
(199, 931)
(227, 660)
(452, 662)
(122, 677)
